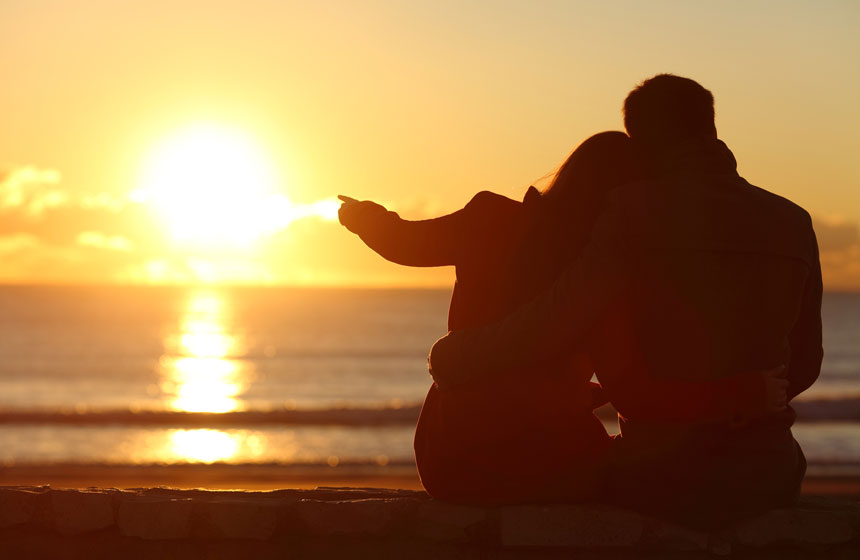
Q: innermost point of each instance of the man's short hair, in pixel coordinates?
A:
(667, 109)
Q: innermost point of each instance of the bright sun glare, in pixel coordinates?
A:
(214, 187)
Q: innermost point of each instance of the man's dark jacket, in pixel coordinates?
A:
(693, 275)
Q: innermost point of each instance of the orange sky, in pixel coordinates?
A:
(415, 104)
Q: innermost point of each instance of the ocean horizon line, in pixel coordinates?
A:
(231, 286)
(298, 286)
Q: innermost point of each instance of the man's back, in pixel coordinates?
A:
(723, 273)
(724, 279)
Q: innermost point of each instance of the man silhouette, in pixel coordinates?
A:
(690, 274)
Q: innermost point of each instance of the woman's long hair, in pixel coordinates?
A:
(563, 215)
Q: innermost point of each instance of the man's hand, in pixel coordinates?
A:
(355, 214)
(776, 389)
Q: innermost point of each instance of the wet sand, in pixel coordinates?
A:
(221, 477)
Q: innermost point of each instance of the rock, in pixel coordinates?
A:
(719, 546)
(78, 511)
(19, 505)
(828, 503)
(236, 519)
(570, 526)
(197, 494)
(445, 522)
(154, 517)
(800, 526)
(667, 535)
(340, 494)
(374, 516)
(378, 522)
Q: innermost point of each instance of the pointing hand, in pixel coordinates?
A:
(356, 214)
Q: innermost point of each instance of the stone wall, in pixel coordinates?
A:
(41, 522)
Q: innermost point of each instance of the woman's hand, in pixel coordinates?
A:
(354, 214)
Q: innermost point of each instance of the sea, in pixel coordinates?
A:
(283, 376)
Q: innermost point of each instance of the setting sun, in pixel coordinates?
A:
(219, 196)
(211, 185)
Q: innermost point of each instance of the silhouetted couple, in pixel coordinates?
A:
(694, 296)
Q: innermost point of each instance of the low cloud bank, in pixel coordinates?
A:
(839, 244)
(51, 234)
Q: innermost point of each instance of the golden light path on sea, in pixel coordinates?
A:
(203, 445)
(200, 373)
(199, 370)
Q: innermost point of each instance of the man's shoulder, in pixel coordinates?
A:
(728, 192)
(711, 212)
(784, 206)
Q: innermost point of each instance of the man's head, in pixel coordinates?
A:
(667, 110)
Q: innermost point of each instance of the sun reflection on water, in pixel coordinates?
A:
(206, 385)
(200, 342)
(203, 446)
(200, 372)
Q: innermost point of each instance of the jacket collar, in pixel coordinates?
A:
(700, 156)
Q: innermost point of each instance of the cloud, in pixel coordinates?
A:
(11, 244)
(839, 245)
(27, 259)
(30, 189)
(836, 236)
(101, 241)
(33, 191)
(33, 202)
(48, 234)
(106, 201)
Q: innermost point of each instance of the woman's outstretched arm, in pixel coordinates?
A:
(433, 242)
(484, 222)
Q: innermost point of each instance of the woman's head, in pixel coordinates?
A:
(569, 207)
(576, 196)
(601, 163)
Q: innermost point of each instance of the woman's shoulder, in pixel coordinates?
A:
(493, 222)
(488, 202)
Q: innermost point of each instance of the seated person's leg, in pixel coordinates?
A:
(505, 443)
